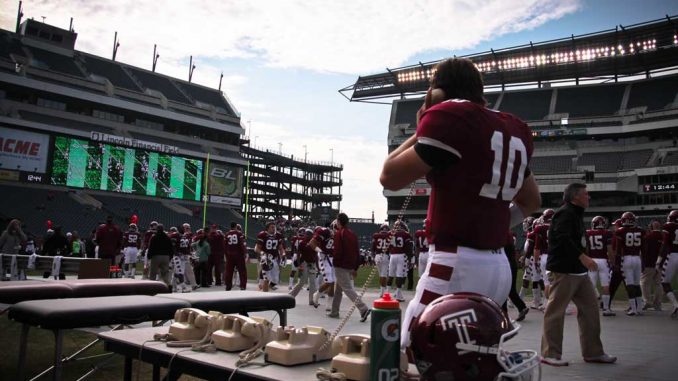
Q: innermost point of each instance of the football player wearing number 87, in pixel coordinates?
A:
(476, 161)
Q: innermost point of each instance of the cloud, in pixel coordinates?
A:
(331, 36)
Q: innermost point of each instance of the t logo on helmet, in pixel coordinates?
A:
(459, 321)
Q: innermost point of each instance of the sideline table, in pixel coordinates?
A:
(210, 366)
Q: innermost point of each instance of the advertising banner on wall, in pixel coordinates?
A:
(23, 151)
(224, 184)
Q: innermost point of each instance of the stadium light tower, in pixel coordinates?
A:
(155, 56)
(305, 151)
(331, 155)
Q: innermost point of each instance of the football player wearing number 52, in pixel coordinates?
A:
(476, 161)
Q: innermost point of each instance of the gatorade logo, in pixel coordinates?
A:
(390, 330)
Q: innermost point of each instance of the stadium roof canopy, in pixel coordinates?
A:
(622, 51)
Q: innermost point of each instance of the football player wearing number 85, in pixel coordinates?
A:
(476, 161)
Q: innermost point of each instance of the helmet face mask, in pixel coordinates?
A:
(628, 219)
(461, 337)
(547, 216)
(527, 224)
(598, 222)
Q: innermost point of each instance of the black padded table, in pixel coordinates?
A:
(240, 302)
(60, 314)
(134, 345)
(12, 292)
(15, 291)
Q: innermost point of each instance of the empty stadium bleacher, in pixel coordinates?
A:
(528, 105)
(57, 62)
(159, 83)
(109, 70)
(551, 164)
(671, 158)
(656, 94)
(590, 100)
(207, 95)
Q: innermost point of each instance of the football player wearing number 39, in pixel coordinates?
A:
(476, 160)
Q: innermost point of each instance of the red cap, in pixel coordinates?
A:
(387, 303)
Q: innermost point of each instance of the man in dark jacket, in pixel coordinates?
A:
(346, 253)
(567, 268)
(160, 249)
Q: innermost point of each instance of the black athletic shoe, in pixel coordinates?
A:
(364, 316)
(522, 314)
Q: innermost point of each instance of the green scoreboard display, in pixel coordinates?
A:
(88, 164)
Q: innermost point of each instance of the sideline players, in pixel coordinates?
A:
(270, 248)
(541, 248)
(236, 253)
(294, 247)
(629, 244)
(532, 269)
(654, 238)
(599, 246)
(131, 242)
(668, 260)
(308, 261)
(323, 244)
(421, 245)
(476, 161)
(400, 250)
(380, 243)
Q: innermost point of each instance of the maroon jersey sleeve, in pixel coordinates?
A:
(261, 238)
(541, 239)
(671, 237)
(493, 150)
(529, 244)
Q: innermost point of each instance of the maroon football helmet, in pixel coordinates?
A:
(673, 216)
(527, 224)
(547, 216)
(628, 219)
(598, 222)
(384, 227)
(460, 337)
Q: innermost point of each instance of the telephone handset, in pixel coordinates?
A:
(298, 346)
(189, 324)
(351, 356)
(236, 333)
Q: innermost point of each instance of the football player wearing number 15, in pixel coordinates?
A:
(476, 160)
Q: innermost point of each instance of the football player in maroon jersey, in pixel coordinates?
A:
(294, 246)
(630, 239)
(532, 269)
(421, 245)
(650, 277)
(541, 248)
(236, 252)
(476, 160)
(323, 244)
(668, 259)
(144, 246)
(616, 278)
(131, 242)
(185, 256)
(270, 248)
(380, 243)
(308, 260)
(400, 249)
(599, 247)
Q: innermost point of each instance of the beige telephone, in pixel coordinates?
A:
(298, 346)
(236, 333)
(351, 356)
(189, 324)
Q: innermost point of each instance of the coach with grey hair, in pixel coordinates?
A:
(567, 268)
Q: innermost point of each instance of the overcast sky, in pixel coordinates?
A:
(284, 60)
